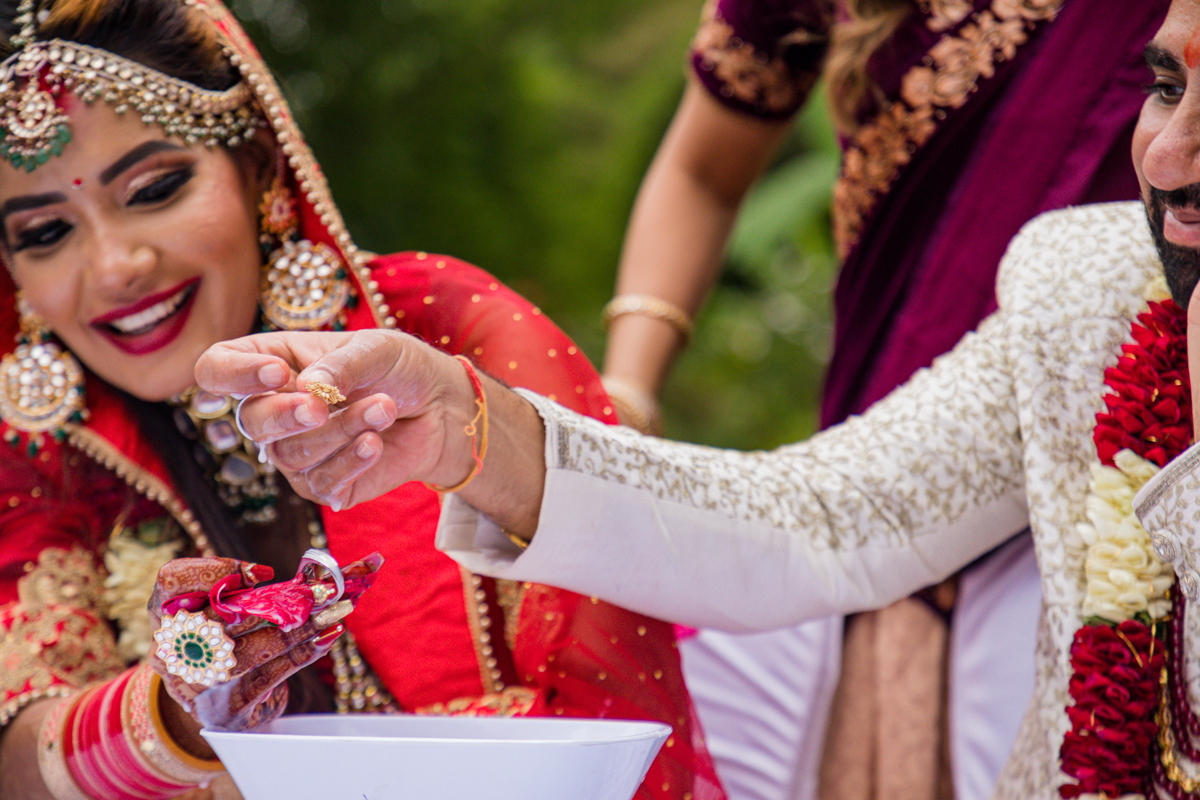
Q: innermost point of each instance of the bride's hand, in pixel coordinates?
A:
(402, 398)
(266, 656)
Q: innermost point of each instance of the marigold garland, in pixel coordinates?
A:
(1118, 658)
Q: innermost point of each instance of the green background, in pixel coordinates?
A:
(514, 135)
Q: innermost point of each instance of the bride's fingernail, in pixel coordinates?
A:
(329, 635)
(366, 449)
(260, 572)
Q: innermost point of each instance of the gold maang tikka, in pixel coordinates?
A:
(304, 285)
(34, 127)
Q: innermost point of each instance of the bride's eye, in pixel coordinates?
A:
(162, 188)
(43, 235)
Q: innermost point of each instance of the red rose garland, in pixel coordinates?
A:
(1111, 749)
(1149, 405)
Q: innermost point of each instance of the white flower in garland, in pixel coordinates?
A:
(1125, 576)
(132, 570)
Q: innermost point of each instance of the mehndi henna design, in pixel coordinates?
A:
(276, 629)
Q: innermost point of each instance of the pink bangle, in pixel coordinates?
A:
(109, 742)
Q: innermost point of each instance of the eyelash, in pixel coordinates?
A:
(162, 188)
(1158, 89)
(158, 191)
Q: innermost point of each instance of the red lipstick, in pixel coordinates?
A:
(164, 331)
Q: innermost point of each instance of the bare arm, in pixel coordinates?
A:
(19, 775)
(681, 221)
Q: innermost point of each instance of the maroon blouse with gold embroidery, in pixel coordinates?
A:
(994, 111)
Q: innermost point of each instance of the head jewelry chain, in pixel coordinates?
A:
(33, 126)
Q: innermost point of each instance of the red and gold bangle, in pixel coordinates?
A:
(109, 742)
(52, 762)
(142, 720)
(477, 429)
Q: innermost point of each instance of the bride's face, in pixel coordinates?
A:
(138, 251)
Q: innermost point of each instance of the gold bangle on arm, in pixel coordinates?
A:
(634, 405)
(649, 306)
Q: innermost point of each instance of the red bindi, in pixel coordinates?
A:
(77, 183)
(1191, 51)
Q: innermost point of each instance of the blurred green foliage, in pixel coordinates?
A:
(514, 135)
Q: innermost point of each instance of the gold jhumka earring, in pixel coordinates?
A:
(304, 284)
(43, 384)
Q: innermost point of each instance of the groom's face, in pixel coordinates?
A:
(1166, 147)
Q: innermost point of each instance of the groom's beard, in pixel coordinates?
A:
(1181, 265)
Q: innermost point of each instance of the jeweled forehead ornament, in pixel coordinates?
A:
(34, 127)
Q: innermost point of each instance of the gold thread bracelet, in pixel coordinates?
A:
(477, 429)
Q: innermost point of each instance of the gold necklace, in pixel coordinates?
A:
(248, 487)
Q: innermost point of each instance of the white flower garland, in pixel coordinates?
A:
(1124, 574)
(132, 570)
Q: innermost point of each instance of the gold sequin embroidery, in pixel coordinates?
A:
(944, 80)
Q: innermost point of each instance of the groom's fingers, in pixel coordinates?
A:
(262, 362)
(270, 417)
(374, 361)
(305, 448)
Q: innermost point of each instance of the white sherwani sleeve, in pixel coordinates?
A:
(856, 517)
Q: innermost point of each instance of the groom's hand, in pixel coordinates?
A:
(400, 394)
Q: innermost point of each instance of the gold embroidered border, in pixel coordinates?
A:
(509, 596)
(760, 80)
(515, 701)
(944, 80)
(944, 14)
(55, 639)
(479, 620)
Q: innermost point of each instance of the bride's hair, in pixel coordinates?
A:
(165, 35)
(870, 25)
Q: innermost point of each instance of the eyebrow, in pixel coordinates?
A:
(29, 201)
(1159, 57)
(143, 150)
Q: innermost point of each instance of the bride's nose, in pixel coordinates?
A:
(117, 265)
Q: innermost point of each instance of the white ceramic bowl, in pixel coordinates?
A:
(330, 757)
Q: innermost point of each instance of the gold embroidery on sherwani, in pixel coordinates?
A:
(945, 79)
(55, 639)
(1022, 426)
(758, 79)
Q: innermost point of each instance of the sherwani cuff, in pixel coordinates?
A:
(1167, 507)
(471, 538)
